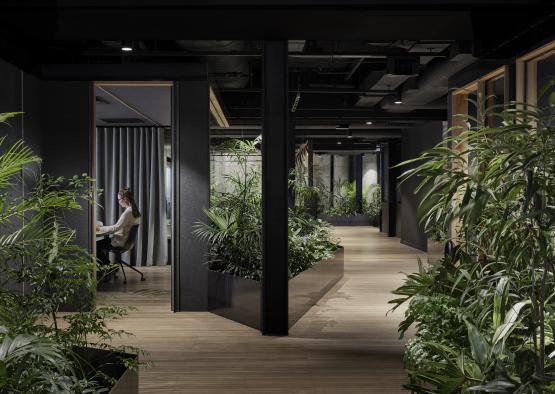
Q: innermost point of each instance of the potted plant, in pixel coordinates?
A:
(43, 349)
(233, 234)
(484, 315)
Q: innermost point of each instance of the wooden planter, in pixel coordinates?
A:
(108, 362)
(239, 299)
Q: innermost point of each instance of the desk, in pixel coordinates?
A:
(101, 235)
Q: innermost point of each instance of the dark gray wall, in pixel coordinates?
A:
(414, 141)
(18, 93)
(65, 124)
(10, 101)
(55, 125)
(191, 142)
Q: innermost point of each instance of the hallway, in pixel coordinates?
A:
(346, 344)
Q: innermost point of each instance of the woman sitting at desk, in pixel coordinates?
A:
(121, 229)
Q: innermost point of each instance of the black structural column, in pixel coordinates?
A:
(351, 168)
(191, 169)
(391, 156)
(274, 190)
(379, 165)
(332, 175)
(313, 199)
(291, 159)
(358, 182)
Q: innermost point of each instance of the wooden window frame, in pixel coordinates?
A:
(527, 71)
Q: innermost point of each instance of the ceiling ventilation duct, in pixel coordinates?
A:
(432, 84)
(230, 72)
(397, 71)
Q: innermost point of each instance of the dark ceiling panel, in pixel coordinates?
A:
(156, 23)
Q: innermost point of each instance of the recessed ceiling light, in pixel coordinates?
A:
(126, 46)
(369, 122)
(349, 134)
(338, 142)
(399, 98)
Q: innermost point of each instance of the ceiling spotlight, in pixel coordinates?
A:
(369, 122)
(399, 98)
(126, 46)
(338, 142)
(349, 134)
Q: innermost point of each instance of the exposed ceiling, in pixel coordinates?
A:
(349, 60)
(340, 89)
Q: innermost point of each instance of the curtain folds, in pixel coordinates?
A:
(134, 157)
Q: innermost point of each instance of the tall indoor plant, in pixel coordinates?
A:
(234, 227)
(484, 315)
(43, 350)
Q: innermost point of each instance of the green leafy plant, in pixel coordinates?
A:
(343, 202)
(492, 188)
(234, 227)
(38, 353)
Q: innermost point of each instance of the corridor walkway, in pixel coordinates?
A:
(346, 344)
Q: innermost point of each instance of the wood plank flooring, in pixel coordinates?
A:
(345, 344)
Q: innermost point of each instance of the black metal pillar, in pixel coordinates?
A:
(313, 202)
(332, 175)
(275, 137)
(310, 164)
(291, 160)
(191, 172)
(351, 168)
(379, 166)
(393, 158)
(358, 182)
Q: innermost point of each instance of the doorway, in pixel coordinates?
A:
(132, 144)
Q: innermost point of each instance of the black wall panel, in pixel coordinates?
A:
(66, 120)
(414, 142)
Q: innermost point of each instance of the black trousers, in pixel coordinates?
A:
(102, 248)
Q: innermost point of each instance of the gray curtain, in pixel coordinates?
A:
(134, 157)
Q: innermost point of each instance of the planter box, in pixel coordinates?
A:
(307, 288)
(350, 220)
(127, 380)
(234, 298)
(238, 299)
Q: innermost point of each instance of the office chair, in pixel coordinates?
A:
(129, 245)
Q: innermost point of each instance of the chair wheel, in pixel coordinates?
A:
(124, 281)
(142, 278)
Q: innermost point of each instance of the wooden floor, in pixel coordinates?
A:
(345, 344)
